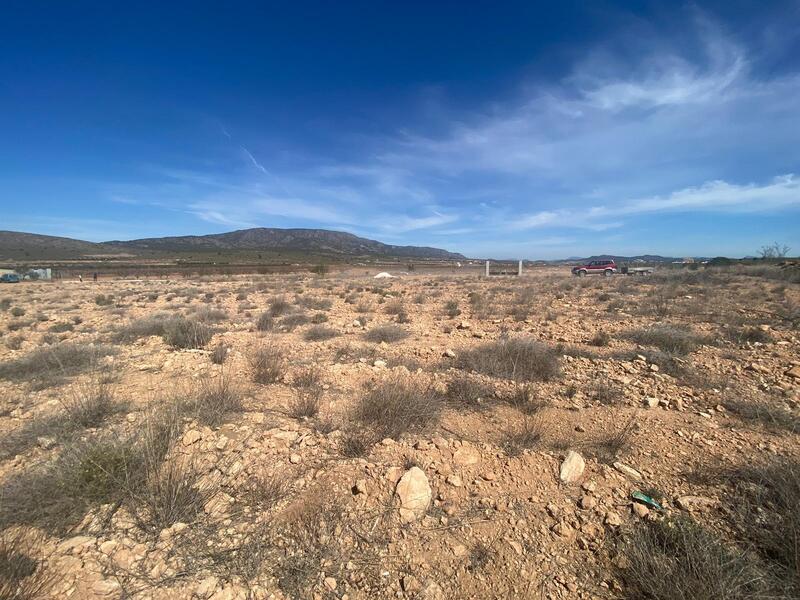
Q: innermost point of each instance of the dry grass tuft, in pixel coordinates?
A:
(267, 364)
(520, 359)
(23, 571)
(397, 406)
(676, 559)
(386, 334)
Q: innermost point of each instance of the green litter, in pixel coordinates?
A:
(646, 500)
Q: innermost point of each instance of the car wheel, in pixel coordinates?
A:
(581, 273)
(608, 272)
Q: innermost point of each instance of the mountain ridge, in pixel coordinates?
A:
(22, 245)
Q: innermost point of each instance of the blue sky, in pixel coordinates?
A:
(514, 129)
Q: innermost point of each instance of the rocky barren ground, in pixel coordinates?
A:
(418, 437)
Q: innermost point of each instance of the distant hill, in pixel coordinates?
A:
(646, 258)
(15, 245)
(317, 242)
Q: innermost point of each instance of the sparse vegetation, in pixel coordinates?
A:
(319, 333)
(186, 333)
(677, 559)
(668, 338)
(266, 364)
(397, 406)
(386, 333)
(519, 359)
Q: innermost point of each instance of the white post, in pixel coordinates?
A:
(519, 269)
(487, 268)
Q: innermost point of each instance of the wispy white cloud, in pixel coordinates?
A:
(253, 161)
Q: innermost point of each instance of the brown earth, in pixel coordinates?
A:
(288, 511)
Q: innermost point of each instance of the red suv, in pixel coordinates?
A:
(596, 267)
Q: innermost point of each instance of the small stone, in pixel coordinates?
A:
(295, 459)
(330, 583)
(379, 363)
(454, 480)
(690, 503)
(613, 519)
(572, 467)
(410, 584)
(588, 502)
(651, 402)
(466, 455)
(449, 353)
(415, 494)
(191, 437)
(206, 587)
(360, 487)
(464, 325)
(640, 510)
(628, 471)
(794, 372)
(45, 443)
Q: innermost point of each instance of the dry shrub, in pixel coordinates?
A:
(267, 364)
(771, 416)
(319, 333)
(395, 307)
(293, 321)
(526, 399)
(279, 306)
(385, 333)
(767, 511)
(23, 571)
(214, 401)
(356, 443)
(396, 406)
(520, 359)
(451, 309)
(313, 303)
(107, 470)
(91, 405)
(219, 353)
(606, 393)
(210, 315)
(60, 359)
(308, 395)
(528, 435)
(265, 322)
(466, 392)
(672, 339)
(611, 444)
(148, 326)
(186, 333)
(676, 559)
(748, 335)
(601, 338)
(103, 300)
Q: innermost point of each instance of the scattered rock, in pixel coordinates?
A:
(191, 437)
(572, 467)
(415, 494)
(466, 455)
(628, 471)
(690, 503)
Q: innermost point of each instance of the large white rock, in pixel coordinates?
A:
(415, 494)
(384, 275)
(572, 467)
